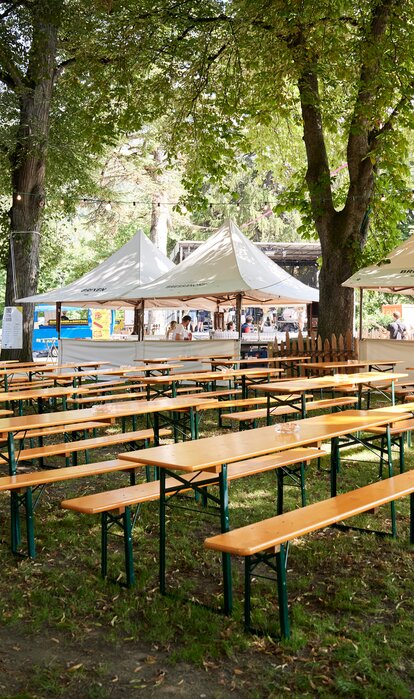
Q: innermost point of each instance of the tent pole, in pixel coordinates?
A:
(238, 312)
(238, 318)
(58, 318)
(361, 291)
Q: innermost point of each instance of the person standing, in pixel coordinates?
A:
(397, 329)
(182, 330)
(247, 327)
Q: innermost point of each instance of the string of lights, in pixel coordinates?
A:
(109, 203)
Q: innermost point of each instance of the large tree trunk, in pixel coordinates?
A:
(28, 166)
(160, 222)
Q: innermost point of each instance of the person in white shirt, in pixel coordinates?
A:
(182, 331)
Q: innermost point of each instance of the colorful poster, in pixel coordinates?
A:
(101, 323)
(12, 332)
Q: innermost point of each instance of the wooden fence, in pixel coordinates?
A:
(336, 349)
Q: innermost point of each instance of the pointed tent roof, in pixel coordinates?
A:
(137, 262)
(225, 265)
(394, 274)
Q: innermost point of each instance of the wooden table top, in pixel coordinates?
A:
(210, 453)
(210, 375)
(98, 412)
(353, 363)
(39, 368)
(315, 383)
(33, 393)
(252, 360)
(186, 358)
(118, 371)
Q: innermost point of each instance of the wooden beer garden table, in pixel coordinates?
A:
(134, 372)
(40, 395)
(9, 426)
(282, 362)
(331, 367)
(211, 455)
(163, 383)
(185, 358)
(302, 386)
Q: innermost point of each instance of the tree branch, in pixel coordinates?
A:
(13, 77)
(317, 174)
(360, 141)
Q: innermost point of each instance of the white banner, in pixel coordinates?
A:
(12, 333)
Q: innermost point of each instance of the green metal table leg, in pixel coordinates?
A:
(193, 427)
(129, 562)
(156, 428)
(303, 404)
(280, 482)
(162, 531)
(412, 518)
(390, 471)
(247, 594)
(282, 592)
(225, 526)
(15, 533)
(104, 544)
(12, 455)
(302, 483)
(28, 501)
(334, 465)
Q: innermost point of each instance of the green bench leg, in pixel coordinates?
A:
(124, 521)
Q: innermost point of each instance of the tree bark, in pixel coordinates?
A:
(28, 165)
(342, 233)
(160, 222)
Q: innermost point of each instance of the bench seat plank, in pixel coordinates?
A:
(55, 475)
(106, 398)
(145, 492)
(270, 533)
(60, 429)
(289, 410)
(67, 448)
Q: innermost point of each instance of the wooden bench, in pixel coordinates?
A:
(59, 429)
(114, 505)
(265, 542)
(28, 385)
(73, 447)
(113, 389)
(22, 485)
(278, 410)
(85, 400)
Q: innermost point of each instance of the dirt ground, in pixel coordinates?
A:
(43, 666)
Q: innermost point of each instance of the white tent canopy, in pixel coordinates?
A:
(137, 262)
(394, 274)
(226, 265)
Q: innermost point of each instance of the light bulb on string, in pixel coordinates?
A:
(18, 197)
(108, 206)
